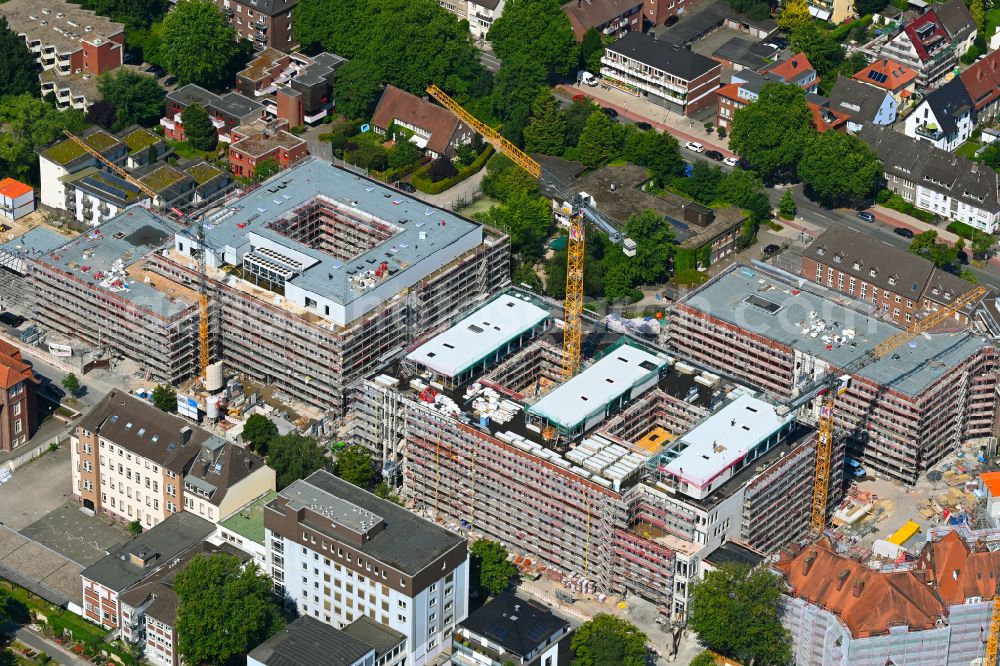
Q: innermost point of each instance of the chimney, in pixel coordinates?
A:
(807, 565)
(859, 585)
(885, 63)
(842, 578)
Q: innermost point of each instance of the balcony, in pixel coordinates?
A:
(260, 25)
(168, 123)
(929, 131)
(218, 124)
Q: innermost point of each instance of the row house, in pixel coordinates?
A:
(611, 18)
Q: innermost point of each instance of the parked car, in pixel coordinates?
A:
(865, 216)
(170, 80)
(609, 112)
(645, 127)
(903, 231)
(731, 161)
(579, 97)
(11, 319)
(771, 249)
(406, 187)
(714, 155)
(586, 78)
(157, 71)
(694, 147)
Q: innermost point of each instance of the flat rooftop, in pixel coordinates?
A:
(36, 241)
(57, 23)
(829, 326)
(248, 522)
(615, 376)
(479, 335)
(100, 257)
(724, 439)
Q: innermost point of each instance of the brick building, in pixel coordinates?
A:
(261, 140)
(227, 111)
(292, 86)
(18, 409)
(263, 22)
(612, 18)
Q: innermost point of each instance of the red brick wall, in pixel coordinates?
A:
(103, 57)
(289, 107)
(885, 301)
(658, 11)
(707, 83)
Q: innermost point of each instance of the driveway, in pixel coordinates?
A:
(458, 196)
(58, 653)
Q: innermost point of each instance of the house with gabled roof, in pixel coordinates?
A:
(889, 75)
(925, 46)
(433, 128)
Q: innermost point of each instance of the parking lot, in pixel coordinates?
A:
(36, 489)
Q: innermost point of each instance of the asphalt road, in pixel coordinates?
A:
(59, 654)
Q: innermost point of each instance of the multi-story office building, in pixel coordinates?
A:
(134, 462)
(340, 553)
(309, 641)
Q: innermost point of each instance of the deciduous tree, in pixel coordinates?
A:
(442, 168)
(515, 88)
(839, 169)
(165, 397)
(591, 51)
(355, 465)
(606, 640)
(771, 133)
(655, 244)
(736, 612)
(943, 255)
(703, 183)
(258, 431)
(704, 658)
(538, 30)
(294, 457)
(224, 608)
(71, 383)
(198, 128)
(823, 51)
(357, 88)
(198, 44)
(266, 168)
(27, 124)
(795, 14)
(17, 64)
(745, 189)
(787, 207)
(489, 559)
(657, 151)
(135, 528)
(403, 154)
(101, 112)
(978, 10)
(527, 219)
(504, 179)
(597, 141)
(137, 98)
(546, 130)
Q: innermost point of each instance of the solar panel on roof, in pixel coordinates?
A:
(119, 182)
(878, 77)
(105, 187)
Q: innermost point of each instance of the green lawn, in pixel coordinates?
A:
(968, 149)
(992, 21)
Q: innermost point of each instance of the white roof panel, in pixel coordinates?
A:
(478, 335)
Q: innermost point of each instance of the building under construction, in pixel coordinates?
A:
(902, 414)
(623, 477)
(315, 278)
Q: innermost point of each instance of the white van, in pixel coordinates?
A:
(586, 78)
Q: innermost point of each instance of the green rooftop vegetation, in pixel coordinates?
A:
(203, 172)
(162, 178)
(248, 522)
(140, 139)
(68, 150)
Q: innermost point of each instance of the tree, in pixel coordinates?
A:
(576, 117)
(133, 13)
(441, 168)
(703, 183)
(71, 384)
(597, 141)
(657, 151)
(504, 179)
(20, 71)
(357, 87)
(704, 658)
(786, 207)
(224, 608)
(355, 465)
(757, 10)
(527, 219)
(546, 131)
(865, 7)
(198, 44)
(137, 98)
(538, 30)
(745, 189)
(258, 431)
(386, 492)
(591, 51)
(294, 457)
(771, 134)
(266, 168)
(489, 559)
(795, 14)
(101, 112)
(736, 612)
(198, 128)
(515, 89)
(978, 10)
(943, 255)
(655, 245)
(839, 169)
(822, 49)
(403, 154)
(29, 124)
(607, 639)
(990, 155)
(135, 528)
(165, 397)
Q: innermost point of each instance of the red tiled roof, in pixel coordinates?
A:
(13, 188)
(838, 122)
(13, 369)
(400, 105)
(729, 91)
(896, 75)
(791, 68)
(960, 572)
(982, 80)
(911, 31)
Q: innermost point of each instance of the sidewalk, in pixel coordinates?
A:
(634, 108)
(919, 226)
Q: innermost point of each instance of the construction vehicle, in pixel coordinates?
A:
(832, 386)
(120, 172)
(581, 208)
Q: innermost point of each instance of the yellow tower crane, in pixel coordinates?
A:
(834, 386)
(125, 175)
(993, 638)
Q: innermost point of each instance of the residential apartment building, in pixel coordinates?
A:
(924, 46)
(134, 462)
(745, 86)
(64, 157)
(958, 23)
(982, 84)
(16, 199)
(834, 11)
(796, 70)
(670, 76)
(510, 630)
(434, 128)
(266, 23)
(934, 611)
(862, 104)
(945, 118)
(292, 86)
(899, 284)
(935, 180)
(901, 415)
(18, 404)
(481, 14)
(309, 641)
(107, 579)
(148, 618)
(262, 140)
(612, 18)
(227, 111)
(339, 553)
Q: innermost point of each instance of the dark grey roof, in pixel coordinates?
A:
(306, 642)
(680, 62)
(734, 553)
(754, 81)
(949, 103)
(746, 52)
(956, 18)
(379, 636)
(859, 100)
(896, 270)
(157, 547)
(269, 7)
(919, 162)
(408, 542)
(231, 103)
(517, 625)
(695, 24)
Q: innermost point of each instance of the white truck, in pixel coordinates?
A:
(586, 78)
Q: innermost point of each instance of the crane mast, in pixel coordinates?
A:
(125, 175)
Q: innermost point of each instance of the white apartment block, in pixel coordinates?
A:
(339, 553)
(481, 14)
